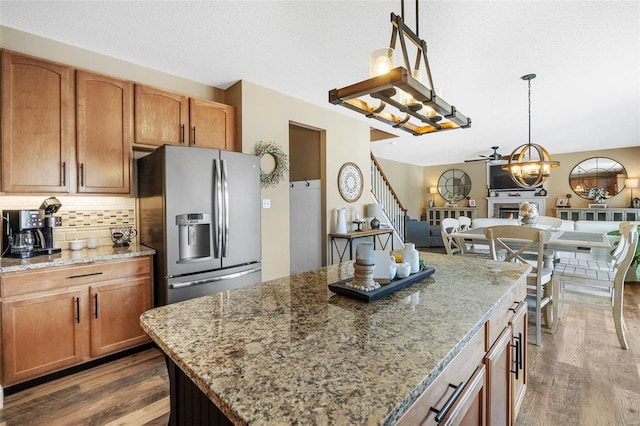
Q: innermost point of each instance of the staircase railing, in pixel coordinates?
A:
(383, 192)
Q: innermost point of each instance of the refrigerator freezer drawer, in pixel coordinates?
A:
(184, 288)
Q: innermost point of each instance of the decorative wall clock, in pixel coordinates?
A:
(350, 182)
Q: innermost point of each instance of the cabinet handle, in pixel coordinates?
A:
(518, 360)
(64, 173)
(95, 305)
(81, 174)
(440, 414)
(194, 134)
(78, 310)
(182, 136)
(84, 275)
(514, 310)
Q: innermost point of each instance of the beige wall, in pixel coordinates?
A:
(408, 183)
(266, 116)
(557, 185)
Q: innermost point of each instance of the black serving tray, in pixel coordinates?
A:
(384, 290)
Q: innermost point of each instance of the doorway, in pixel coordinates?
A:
(306, 200)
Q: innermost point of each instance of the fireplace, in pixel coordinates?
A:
(506, 211)
(506, 205)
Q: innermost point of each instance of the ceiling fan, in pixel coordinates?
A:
(493, 158)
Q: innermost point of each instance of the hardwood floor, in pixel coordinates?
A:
(580, 376)
(130, 391)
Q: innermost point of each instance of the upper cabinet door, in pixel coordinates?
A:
(36, 95)
(160, 117)
(104, 133)
(213, 125)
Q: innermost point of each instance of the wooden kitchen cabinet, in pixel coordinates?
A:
(498, 362)
(104, 134)
(160, 117)
(59, 317)
(458, 393)
(518, 324)
(36, 111)
(42, 333)
(163, 117)
(212, 125)
(115, 316)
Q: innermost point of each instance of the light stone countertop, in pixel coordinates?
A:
(289, 351)
(70, 257)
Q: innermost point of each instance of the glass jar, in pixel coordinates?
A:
(528, 213)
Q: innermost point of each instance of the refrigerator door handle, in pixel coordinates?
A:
(217, 201)
(225, 191)
(215, 279)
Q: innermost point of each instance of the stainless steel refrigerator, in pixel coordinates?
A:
(200, 211)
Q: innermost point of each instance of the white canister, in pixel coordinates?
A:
(411, 256)
(341, 223)
(92, 242)
(403, 269)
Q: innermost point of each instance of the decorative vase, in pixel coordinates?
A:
(341, 224)
(375, 223)
(404, 269)
(528, 213)
(410, 255)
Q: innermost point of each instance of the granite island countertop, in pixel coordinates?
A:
(70, 257)
(289, 351)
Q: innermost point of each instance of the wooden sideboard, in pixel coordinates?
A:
(598, 214)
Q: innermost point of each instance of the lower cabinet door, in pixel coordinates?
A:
(519, 351)
(115, 315)
(470, 407)
(43, 334)
(499, 365)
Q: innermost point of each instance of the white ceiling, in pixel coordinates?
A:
(586, 55)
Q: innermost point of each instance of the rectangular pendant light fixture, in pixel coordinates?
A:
(398, 98)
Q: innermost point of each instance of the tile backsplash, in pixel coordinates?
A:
(81, 217)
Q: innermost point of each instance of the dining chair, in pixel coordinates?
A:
(591, 263)
(525, 244)
(550, 221)
(598, 288)
(451, 244)
(465, 222)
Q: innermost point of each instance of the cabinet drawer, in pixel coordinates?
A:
(17, 283)
(503, 314)
(459, 370)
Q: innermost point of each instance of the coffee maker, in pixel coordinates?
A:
(50, 206)
(22, 235)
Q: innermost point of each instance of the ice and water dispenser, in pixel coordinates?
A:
(194, 234)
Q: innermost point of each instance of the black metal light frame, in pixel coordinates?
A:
(384, 87)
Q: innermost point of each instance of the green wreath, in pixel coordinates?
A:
(281, 160)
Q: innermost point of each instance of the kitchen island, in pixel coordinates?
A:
(289, 351)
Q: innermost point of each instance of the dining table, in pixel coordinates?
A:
(561, 240)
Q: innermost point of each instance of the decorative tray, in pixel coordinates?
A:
(369, 296)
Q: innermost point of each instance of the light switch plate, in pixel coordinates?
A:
(266, 203)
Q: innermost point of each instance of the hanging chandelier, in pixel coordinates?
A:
(530, 164)
(396, 95)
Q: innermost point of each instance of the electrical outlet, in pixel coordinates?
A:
(266, 203)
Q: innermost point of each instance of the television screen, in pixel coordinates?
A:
(500, 180)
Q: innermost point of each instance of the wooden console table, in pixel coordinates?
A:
(602, 214)
(353, 235)
(436, 214)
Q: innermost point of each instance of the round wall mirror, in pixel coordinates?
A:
(454, 185)
(598, 172)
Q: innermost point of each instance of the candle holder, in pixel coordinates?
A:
(363, 268)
